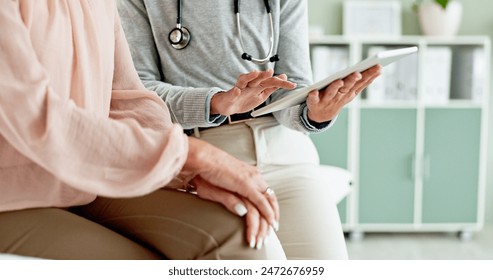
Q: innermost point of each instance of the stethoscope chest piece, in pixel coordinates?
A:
(179, 37)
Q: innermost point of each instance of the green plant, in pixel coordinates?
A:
(442, 3)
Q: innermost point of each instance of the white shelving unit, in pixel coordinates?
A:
(417, 165)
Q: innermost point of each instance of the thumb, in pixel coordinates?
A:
(229, 200)
(313, 98)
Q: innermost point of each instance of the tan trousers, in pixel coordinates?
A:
(165, 224)
(310, 226)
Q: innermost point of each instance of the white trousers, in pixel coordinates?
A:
(310, 226)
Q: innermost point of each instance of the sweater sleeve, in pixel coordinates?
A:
(116, 157)
(189, 106)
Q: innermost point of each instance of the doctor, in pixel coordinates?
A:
(208, 60)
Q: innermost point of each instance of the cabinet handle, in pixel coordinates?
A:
(413, 168)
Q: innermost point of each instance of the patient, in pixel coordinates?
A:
(85, 150)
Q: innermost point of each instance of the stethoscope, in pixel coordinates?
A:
(180, 36)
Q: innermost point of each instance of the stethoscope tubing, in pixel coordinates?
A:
(185, 35)
(271, 41)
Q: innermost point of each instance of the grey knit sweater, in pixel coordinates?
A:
(187, 79)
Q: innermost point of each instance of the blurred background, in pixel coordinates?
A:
(418, 143)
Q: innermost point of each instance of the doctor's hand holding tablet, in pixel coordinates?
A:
(324, 105)
(328, 96)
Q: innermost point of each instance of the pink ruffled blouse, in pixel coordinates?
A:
(75, 120)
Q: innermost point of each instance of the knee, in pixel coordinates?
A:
(222, 235)
(234, 246)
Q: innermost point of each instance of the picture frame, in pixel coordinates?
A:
(372, 18)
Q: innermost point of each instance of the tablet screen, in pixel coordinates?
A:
(298, 96)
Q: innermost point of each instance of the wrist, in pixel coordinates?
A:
(313, 119)
(216, 105)
(319, 119)
(195, 155)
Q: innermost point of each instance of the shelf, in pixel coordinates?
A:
(416, 147)
(451, 104)
(461, 40)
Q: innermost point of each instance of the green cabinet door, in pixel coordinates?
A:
(386, 170)
(332, 146)
(451, 165)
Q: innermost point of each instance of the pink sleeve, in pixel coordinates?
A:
(130, 99)
(116, 158)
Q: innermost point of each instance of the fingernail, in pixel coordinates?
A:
(252, 242)
(240, 209)
(275, 225)
(270, 233)
(260, 243)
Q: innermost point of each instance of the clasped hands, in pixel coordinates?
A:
(219, 177)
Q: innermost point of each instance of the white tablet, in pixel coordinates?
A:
(298, 96)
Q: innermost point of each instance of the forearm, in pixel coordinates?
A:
(189, 107)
